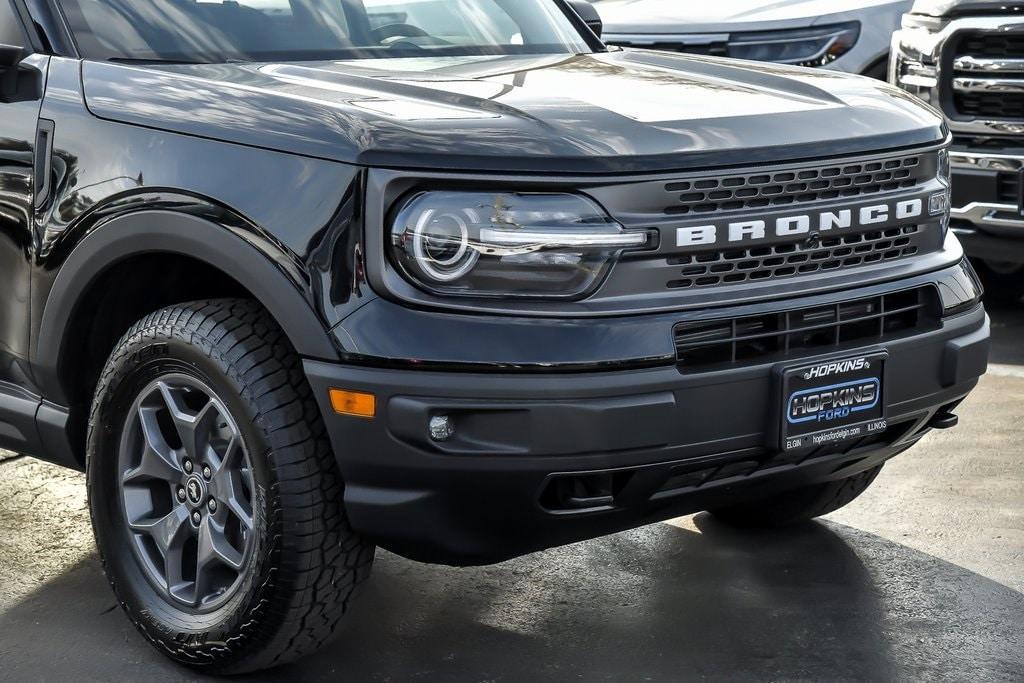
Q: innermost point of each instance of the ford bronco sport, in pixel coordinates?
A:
(293, 279)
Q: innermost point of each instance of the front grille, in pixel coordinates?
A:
(789, 260)
(974, 79)
(750, 340)
(796, 186)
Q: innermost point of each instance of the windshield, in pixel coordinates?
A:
(212, 31)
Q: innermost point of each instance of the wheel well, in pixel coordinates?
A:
(121, 296)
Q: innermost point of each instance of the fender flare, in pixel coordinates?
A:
(243, 258)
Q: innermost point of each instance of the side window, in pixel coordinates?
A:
(11, 32)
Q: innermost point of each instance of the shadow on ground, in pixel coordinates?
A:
(1007, 332)
(663, 602)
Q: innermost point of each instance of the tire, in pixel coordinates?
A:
(210, 397)
(797, 505)
(1004, 282)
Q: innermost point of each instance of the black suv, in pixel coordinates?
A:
(291, 279)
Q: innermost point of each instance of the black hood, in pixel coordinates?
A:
(613, 112)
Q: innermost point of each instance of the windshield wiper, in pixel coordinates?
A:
(172, 60)
(152, 60)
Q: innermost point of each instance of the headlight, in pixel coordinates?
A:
(507, 244)
(939, 204)
(804, 47)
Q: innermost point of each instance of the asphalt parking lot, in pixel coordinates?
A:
(921, 578)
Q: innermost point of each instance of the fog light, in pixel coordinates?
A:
(441, 428)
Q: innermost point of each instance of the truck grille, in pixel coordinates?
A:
(797, 186)
(757, 339)
(988, 76)
(789, 260)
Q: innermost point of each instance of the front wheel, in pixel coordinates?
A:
(798, 505)
(215, 498)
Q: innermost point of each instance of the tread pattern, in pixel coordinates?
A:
(313, 558)
(799, 505)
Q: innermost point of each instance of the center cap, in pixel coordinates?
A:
(195, 490)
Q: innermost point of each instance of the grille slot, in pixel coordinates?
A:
(704, 345)
(997, 105)
(796, 186)
(993, 45)
(790, 260)
(1009, 187)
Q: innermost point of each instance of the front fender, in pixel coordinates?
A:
(265, 269)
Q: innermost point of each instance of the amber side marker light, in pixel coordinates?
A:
(353, 403)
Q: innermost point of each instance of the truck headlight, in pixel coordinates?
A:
(491, 244)
(804, 47)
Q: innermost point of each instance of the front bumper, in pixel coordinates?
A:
(988, 203)
(544, 459)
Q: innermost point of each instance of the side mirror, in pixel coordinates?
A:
(10, 56)
(589, 14)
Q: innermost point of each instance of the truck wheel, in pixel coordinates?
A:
(798, 505)
(1004, 282)
(215, 498)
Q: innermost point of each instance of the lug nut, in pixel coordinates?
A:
(196, 518)
(207, 472)
(212, 505)
(188, 467)
(181, 494)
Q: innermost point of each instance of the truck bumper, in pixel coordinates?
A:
(544, 459)
(988, 203)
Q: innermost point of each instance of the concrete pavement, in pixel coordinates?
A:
(922, 577)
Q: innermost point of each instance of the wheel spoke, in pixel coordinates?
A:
(229, 486)
(168, 532)
(214, 547)
(226, 463)
(193, 427)
(158, 460)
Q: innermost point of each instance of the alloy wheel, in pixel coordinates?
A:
(187, 492)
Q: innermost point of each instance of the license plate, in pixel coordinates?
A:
(833, 401)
